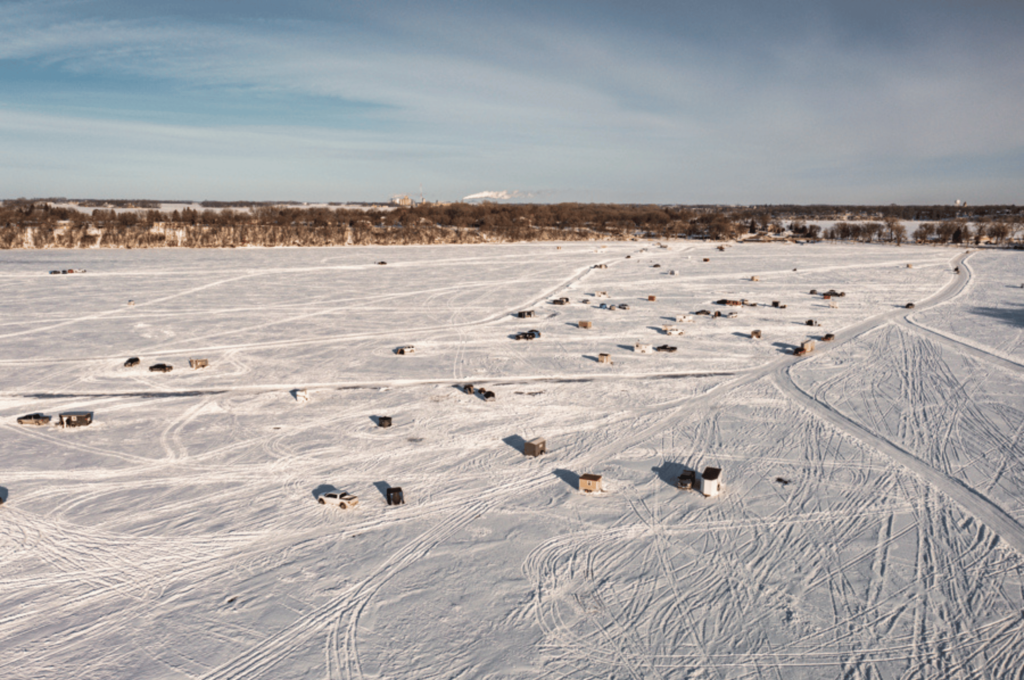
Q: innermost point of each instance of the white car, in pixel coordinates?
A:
(340, 498)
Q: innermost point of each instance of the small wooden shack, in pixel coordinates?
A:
(560, 301)
(131, 303)
(601, 294)
(600, 266)
(591, 483)
(405, 350)
(652, 298)
(805, 347)
(711, 481)
(535, 447)
(707, 259)
(671, 330)
(525, 314)
(604, 358)
(75, 418)
(468, 389)
(198, 363)
(584, 324)
(754, 278)
(643, 348)
(910, 266)
(383, 421)
(756, 335)
(394, 495)
(672, 272)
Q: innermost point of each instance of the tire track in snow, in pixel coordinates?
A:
(973, 502)
(339, 618)
(961, 346)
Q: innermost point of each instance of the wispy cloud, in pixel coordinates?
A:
(604, 101)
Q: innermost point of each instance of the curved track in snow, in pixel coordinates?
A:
(978, 505)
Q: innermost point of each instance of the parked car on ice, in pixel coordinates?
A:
(342, 499)
(34, 419)
(161, 368)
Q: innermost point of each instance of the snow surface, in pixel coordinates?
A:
(179, 537)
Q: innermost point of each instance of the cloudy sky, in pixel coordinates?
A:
(746, 101)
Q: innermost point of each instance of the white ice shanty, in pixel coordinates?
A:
(711, 481)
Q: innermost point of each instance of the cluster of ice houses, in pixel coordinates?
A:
(708, 483)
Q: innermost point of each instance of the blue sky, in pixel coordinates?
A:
(689, 102)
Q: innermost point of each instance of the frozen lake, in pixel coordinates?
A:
(179, 535)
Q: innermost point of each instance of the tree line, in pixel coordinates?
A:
(40, 224)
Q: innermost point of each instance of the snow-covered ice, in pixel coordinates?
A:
(179, 535)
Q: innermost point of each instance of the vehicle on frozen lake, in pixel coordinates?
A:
(342, 499)
(161, 368)
(34, 419)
